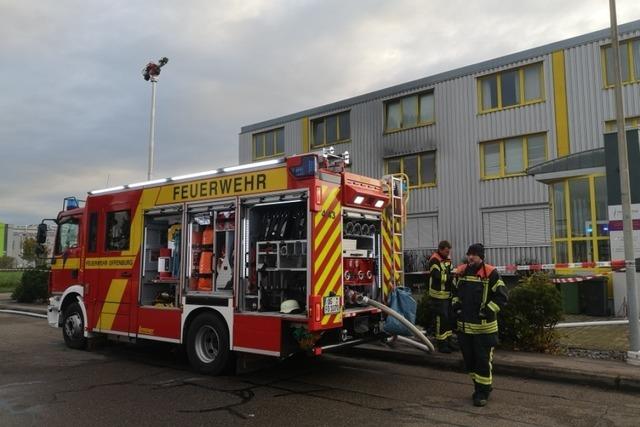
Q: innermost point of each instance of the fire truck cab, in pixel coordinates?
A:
(263, 258)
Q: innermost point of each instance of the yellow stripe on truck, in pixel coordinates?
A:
(111, 304)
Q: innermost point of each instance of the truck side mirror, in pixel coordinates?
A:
(41, 237)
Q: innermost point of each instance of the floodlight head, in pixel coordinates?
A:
(163, 61)
(151, 71)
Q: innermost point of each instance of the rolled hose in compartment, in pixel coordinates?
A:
(361, 299)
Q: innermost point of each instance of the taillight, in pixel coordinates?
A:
(317, 312)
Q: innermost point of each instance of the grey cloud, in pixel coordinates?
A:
(74, 109)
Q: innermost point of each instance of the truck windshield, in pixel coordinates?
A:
(67, 235)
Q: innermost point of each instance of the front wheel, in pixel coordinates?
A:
(73, 327)
(208, 345)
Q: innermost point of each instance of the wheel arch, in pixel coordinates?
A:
(193, 314)
(73, 294)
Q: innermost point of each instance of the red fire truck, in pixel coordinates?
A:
(262, 258)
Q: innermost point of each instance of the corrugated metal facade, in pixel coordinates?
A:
(461, 205)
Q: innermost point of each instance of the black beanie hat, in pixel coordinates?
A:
(476, 249)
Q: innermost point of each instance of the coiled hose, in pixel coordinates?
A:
(364, 300)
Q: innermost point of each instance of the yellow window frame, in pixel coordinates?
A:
(387, 130)
(521, 88)
(628, 45)
(263, 136)
(324, 132)
(503, 162)
(569, 239)
(629, 122)
(402, 170)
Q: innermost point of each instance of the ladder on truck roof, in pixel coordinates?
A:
(397, 186)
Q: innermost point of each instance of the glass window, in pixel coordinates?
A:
(409, 111)
(318, 133)
(394, 166)
(580, 208)
(279, 141)
(269, 149)
(118, 228)
(393, 115)
(67, 236)
(624, 63)
(536, 149)
(514, 162)
(602, 214)
(604, 252)
(410, 168)
(510, 82)
(331, 128)
(92, 238)
(559, 211)
(562, 253)
(491, 159)
(258, 145)
(582, 251)
(344, 123)
(428, 168)
(427, 108)
(489, 92)
(533, 82)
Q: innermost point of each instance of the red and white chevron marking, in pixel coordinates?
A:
(615, 265)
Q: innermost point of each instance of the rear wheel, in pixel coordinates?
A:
(208, 344)
(73, 327)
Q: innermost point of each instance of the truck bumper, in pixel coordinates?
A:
(53, 311)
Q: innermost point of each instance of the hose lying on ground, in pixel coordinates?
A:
(361, 299)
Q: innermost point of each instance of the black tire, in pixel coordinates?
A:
(208, 345)
(73, 327)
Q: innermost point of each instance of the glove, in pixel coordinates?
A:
(456, 310)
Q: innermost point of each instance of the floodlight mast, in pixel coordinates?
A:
(151, 72)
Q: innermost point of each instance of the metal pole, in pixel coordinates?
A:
(627, 224)
(152, 128)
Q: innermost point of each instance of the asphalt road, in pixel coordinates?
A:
(43, 382)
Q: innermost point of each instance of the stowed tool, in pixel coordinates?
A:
(425, 344)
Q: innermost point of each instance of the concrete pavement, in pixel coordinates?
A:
(43, 382)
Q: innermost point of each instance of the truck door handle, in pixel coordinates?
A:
(125, 274)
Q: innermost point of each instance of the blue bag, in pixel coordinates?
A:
(400, 300)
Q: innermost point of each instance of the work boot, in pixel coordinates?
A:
(443, 347)
(480, 398)
(453, 344)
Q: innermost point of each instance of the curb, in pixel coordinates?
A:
(33, 310)
(523, 370)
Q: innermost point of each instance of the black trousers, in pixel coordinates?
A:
(477, 351)
(444, 326)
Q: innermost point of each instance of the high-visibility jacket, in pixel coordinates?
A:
(440, 277)
(479, 293)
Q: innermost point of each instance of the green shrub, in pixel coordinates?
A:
(424, 313)
(528, 321)
(34, 286)
(9, 280)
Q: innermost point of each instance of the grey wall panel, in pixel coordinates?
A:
(506, 256)
(589, 103)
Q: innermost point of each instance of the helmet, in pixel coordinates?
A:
(290, 306)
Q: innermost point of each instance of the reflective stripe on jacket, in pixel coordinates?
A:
(481, 294)
(440, 277)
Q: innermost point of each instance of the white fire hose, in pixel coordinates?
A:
(428, 347)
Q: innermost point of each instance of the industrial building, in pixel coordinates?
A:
(479, 145)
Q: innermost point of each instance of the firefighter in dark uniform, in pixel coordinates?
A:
(478, 295)
(440, 279)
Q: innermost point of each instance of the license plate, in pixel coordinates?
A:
(332, 305)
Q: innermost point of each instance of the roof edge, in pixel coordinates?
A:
(447, 75)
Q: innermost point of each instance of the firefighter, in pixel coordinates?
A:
(478, 295)
(440, 279)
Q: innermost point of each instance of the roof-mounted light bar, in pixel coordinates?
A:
(194, 175)
(143, 183)
(106, 190)
(190, 175)
(253, 165)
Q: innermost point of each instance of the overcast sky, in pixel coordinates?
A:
(74, 109)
